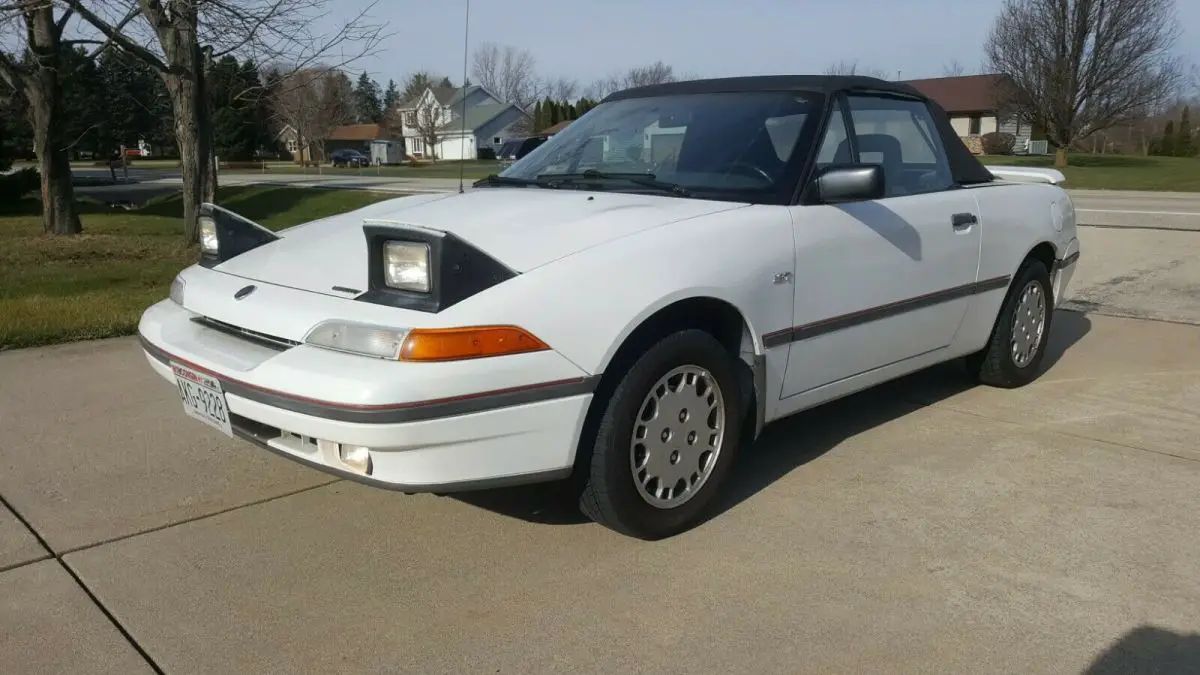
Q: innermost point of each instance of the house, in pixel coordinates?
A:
(374, 140)
(486, 126)
(295, 147)
(555, 128)
(439, 110)
(972, 103)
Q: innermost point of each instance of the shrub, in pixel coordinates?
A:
(17, 184)
(998, 143)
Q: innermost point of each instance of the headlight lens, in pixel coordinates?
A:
(208, 235)
(406, 265)
(356, 338)
(177, 288)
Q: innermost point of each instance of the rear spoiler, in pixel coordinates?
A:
(1022, 174)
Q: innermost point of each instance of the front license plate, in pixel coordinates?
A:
(202, 398)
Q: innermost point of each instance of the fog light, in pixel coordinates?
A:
(356, 457)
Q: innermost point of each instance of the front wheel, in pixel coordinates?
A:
(1013, 355)
(666, 439)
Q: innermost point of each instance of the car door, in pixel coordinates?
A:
(883, 281)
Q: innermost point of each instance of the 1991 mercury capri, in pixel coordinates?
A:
(628, 304)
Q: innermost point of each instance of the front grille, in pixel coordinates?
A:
(263, 339)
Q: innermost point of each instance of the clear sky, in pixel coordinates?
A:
(587, 39)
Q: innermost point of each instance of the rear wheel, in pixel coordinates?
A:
(666, 438)
(1013, 355)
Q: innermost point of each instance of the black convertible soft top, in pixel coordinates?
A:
(965, 167)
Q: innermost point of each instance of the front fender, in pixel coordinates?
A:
(585, 305)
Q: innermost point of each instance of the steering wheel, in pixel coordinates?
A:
(751, 169)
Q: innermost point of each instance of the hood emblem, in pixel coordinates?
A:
(244, 292)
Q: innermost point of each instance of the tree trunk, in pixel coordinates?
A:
(43, 90)
(193, 132)
(1060, 157)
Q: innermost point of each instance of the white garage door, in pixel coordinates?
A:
(456, 148)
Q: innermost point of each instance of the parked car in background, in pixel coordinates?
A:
(516, 148)
(628, 316)
(349, 158)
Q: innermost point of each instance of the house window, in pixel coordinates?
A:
(410, 118)
(975, 125)
(496, 140)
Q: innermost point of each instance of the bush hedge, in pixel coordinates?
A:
(998, 143)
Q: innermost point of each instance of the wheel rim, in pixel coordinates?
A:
(1029, 324)
(677, 436)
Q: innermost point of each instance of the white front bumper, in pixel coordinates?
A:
(430, 427)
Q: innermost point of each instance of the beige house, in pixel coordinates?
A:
(972, 102)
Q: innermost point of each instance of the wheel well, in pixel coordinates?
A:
(716, 317)
(1044, 253)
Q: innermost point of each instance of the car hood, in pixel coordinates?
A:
(523, 228)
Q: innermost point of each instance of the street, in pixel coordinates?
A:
(925, 526)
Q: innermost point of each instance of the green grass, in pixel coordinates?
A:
(95, 285)
(1117, 172)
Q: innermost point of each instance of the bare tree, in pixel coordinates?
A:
(314, 102)
(508, 72)
(429, 120)
(179, 38)
(654, 73)
(559, 88)
(32, 64)
(638, 76)
(852, 67)
(1076, 67)
(954, 68)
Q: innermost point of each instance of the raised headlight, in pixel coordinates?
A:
(406, 266)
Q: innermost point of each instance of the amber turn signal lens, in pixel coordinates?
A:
(453, 344)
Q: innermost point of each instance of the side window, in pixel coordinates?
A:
(835, 140)
(900, 135)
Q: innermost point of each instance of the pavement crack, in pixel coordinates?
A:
(84, 587)
(194, 519)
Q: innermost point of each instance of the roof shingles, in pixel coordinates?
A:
(964, 94)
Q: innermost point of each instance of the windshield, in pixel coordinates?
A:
(727, 143)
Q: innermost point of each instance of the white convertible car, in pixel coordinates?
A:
(630, 303)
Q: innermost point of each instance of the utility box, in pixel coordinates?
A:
(387, 152)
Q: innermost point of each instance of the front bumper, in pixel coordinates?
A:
(470, 425)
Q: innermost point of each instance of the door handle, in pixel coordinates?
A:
(962, 221)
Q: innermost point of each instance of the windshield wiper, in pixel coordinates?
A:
(496, 179)
(642, 179)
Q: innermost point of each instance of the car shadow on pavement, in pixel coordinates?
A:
(788, 444)
(1148, 649)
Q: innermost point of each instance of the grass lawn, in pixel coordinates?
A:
(1117, 172)
(59, 289)
(472, 170)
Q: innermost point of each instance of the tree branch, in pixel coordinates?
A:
(114, 34)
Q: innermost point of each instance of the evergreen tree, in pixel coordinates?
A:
(83, 100)
(446, 83)
(1185, 146)
(14, 118)
(555, 114)
(391, 96)
(135, 105)
(1166, 144)
(538, 122)
(367, 106)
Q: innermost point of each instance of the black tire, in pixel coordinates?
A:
(994, 365)
(610, 496)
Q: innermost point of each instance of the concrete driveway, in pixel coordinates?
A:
(921, 527)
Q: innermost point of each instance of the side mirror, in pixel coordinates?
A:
(850, 183)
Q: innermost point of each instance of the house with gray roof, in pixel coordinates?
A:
(437, 115)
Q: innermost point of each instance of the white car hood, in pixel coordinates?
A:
(522, 228)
